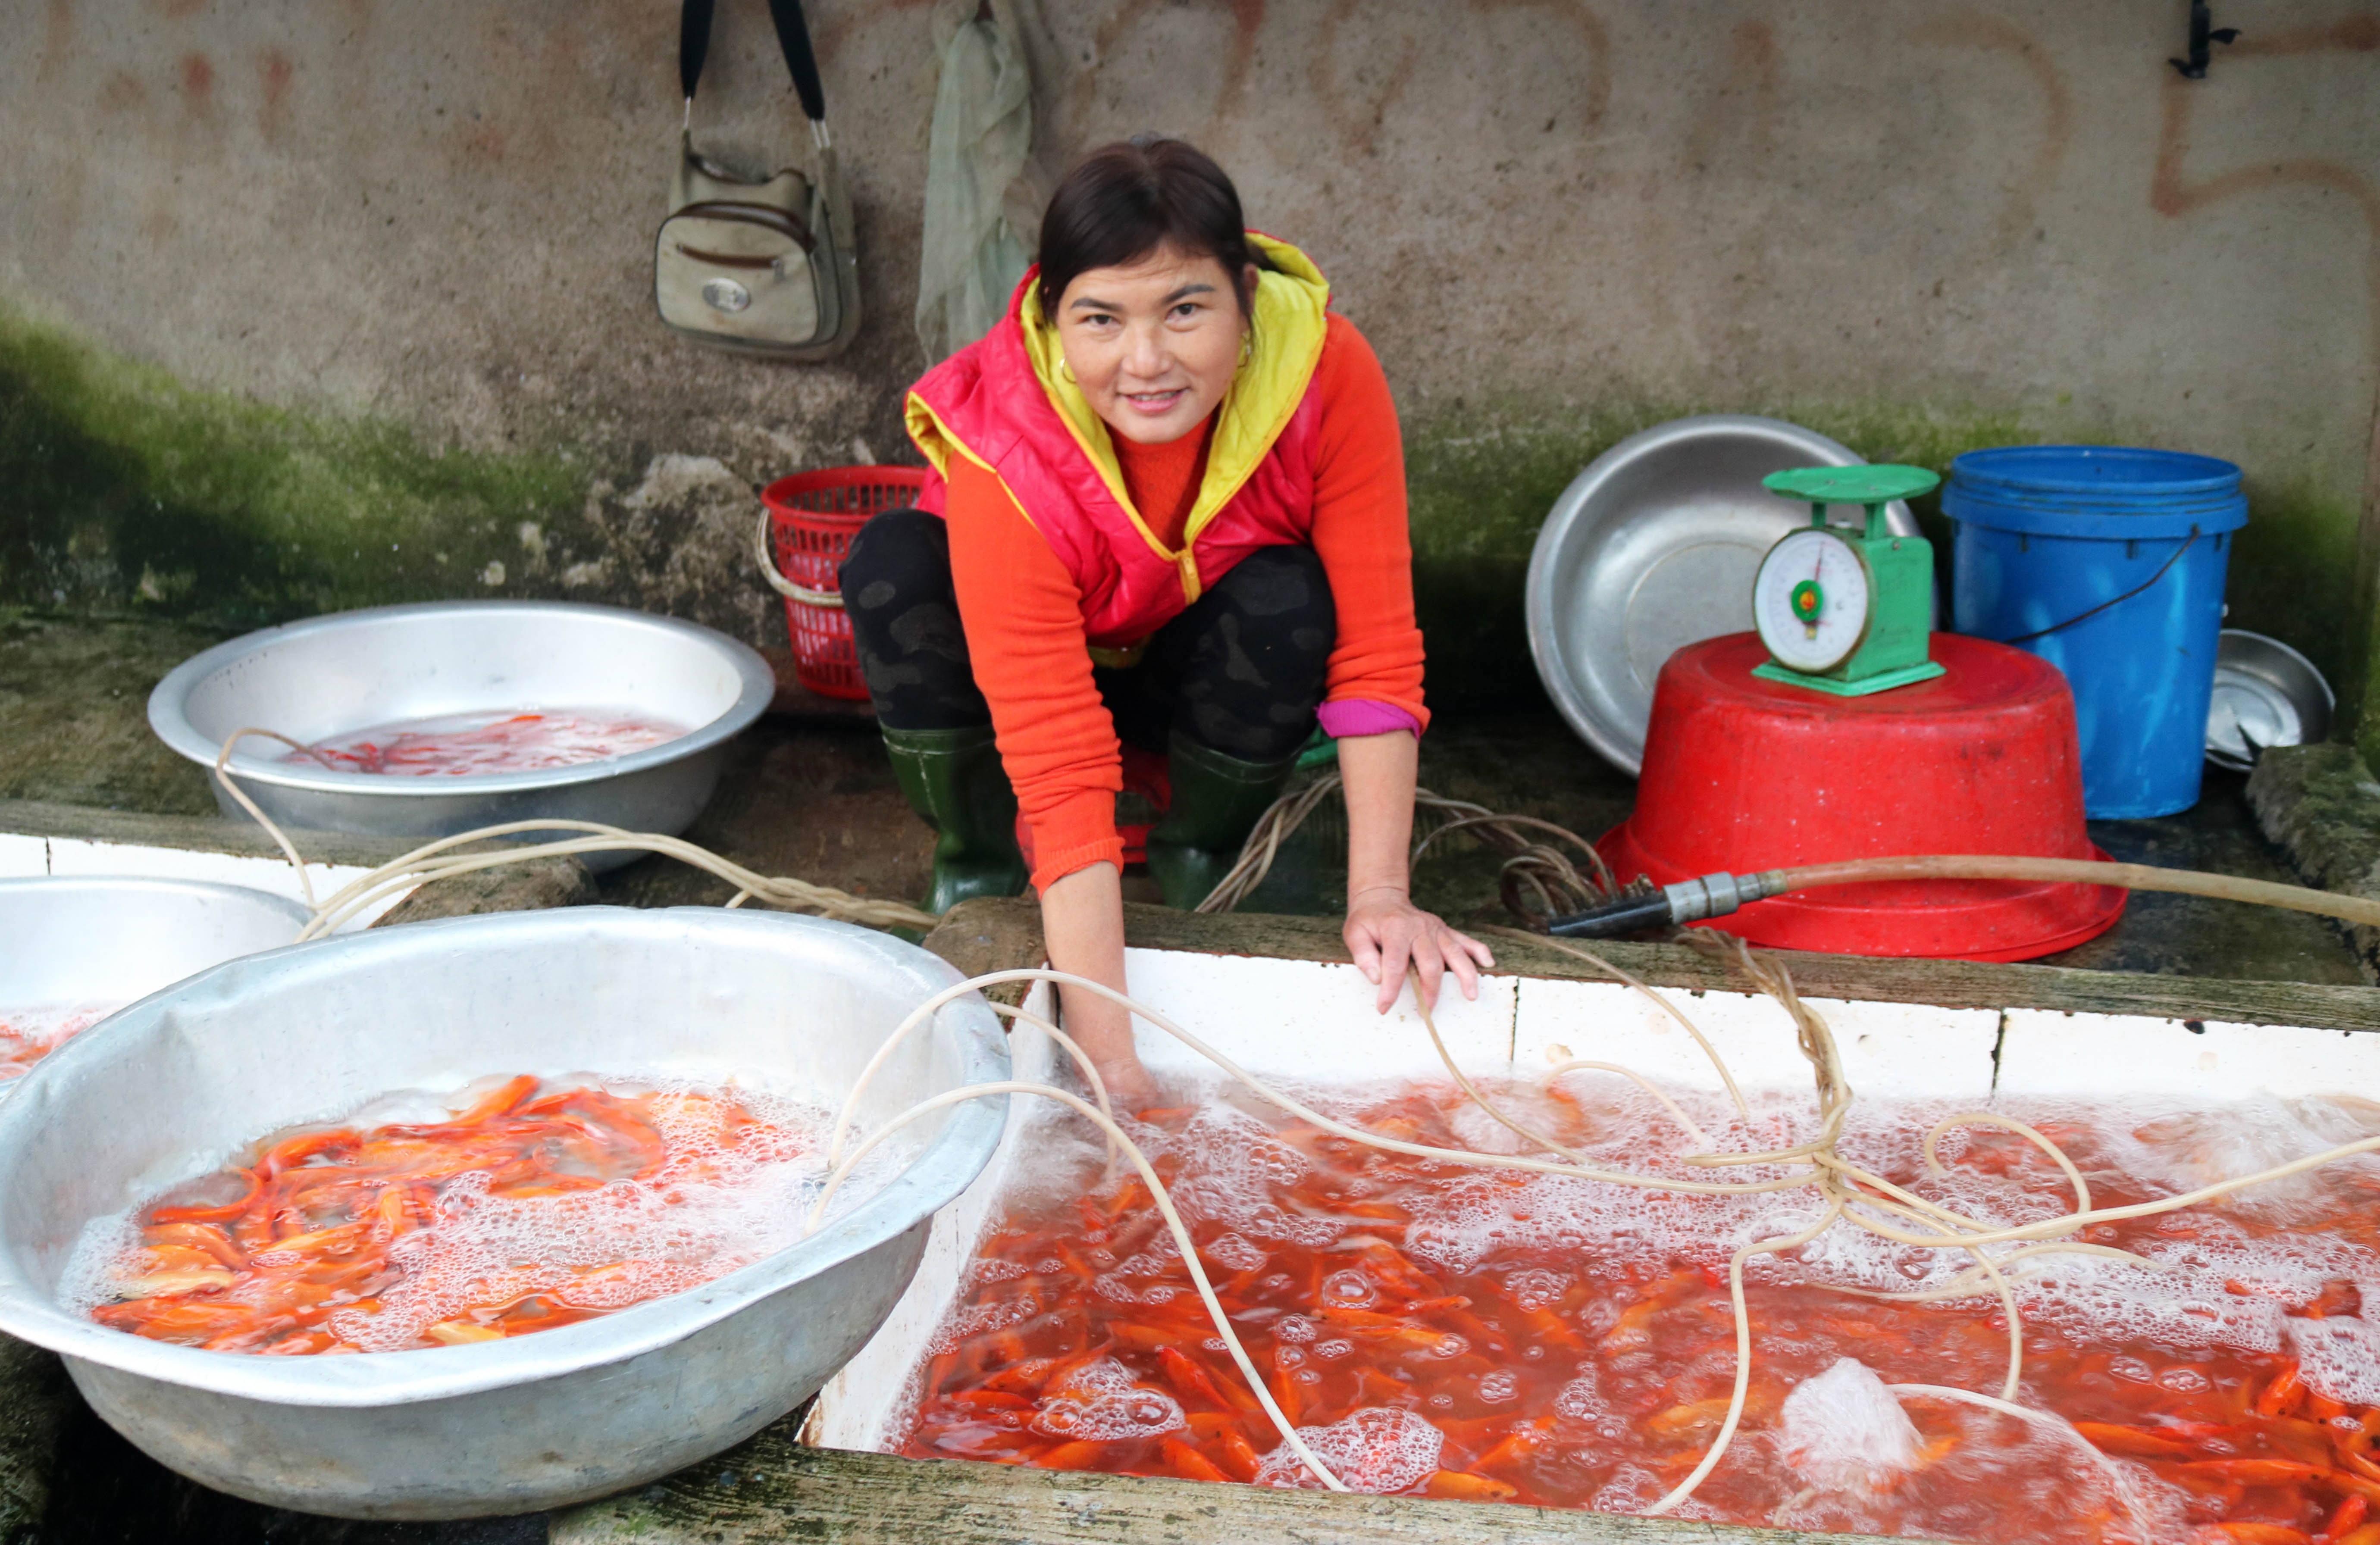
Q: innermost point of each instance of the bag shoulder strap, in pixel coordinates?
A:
(793, 37)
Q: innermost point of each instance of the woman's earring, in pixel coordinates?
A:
(1066, 368)
(1248, 346)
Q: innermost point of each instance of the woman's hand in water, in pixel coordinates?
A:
(1082, 918)
(1386, 932)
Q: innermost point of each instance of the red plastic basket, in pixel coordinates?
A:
(812, 517)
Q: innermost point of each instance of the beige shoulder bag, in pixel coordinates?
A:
(761, 267)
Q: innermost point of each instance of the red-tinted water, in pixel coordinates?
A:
(476, 744)
(1499, 1336)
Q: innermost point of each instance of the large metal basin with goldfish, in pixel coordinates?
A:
(185, 1079)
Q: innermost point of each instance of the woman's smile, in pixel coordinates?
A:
(1156, 403)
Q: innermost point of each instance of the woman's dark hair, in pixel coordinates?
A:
(1124, 201)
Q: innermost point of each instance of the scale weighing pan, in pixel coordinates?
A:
(1653, 547)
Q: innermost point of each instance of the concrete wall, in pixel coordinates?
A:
(310, 304)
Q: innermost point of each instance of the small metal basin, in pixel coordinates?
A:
(1653, 548)
(2265, 694)
(182, 1080)
(72, 940)
(353, 670)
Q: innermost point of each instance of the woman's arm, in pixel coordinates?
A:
(1376, 669)
(1023, 618)
(1025, 642)
(1384, 929)
(1081, 919)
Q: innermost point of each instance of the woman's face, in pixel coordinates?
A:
(1153, 345)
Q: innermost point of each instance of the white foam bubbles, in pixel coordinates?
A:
(1234, 1253)
(1233, 1168)
(2340, 1356)
(1102, 1402)
(1378, 1449)
(1582, 1399)
(1843, 1430)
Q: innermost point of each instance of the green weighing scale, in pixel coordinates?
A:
(1841, 611)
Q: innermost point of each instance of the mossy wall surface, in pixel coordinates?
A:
(123, 490)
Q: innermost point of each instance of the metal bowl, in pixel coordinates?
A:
(330, 675)
(1653, 547)
(70, 940)
(95, 943)
(2265, 694)
(183, 1079)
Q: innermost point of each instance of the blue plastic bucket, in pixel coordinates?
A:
(2108, 562)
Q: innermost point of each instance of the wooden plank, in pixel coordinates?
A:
(772, 1489)
(1948, 983)
(989, 934)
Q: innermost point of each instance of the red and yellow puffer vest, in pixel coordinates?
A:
(1001, 402)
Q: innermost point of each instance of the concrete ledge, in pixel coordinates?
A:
(529, 887)
(38, 839)
(204, 834)
(2322, 806)
(987, 934)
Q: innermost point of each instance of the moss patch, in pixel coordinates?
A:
(2292, 574)
(74, 712)
(122, 490)
(2320, 804)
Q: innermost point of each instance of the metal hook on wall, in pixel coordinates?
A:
(2203, 34)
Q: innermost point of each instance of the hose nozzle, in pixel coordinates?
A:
(1687, 901)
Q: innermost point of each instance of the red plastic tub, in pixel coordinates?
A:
(1743, 774)
(812, 518)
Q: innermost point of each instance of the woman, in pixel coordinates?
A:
(1167, 506)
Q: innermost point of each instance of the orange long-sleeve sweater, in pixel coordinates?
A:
(1024, 613)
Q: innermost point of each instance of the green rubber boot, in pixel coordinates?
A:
(954, 780)
(1217, 800)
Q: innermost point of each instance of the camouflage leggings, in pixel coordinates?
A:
(1241, 671)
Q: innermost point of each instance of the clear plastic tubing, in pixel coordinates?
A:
(2131, 876)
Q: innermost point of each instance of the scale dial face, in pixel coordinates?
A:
(1810, 600)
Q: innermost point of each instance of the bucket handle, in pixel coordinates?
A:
(2085, 616)
(826, 601)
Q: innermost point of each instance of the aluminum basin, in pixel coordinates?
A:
(2265, 694)
(331, 675)
(76, 940)
(181, 1081)
(1653, 548)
